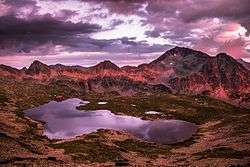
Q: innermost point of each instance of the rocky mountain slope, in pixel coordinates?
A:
(245, 64)
(179, 70)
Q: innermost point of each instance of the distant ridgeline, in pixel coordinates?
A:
(179, 70)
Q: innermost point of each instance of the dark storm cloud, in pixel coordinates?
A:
(154, 33)
(15, 5)
(234, 9)
(189, 11)
(45, 25)
(27, 34)
(120, 6)
(227, 9)
(40, 30)
(128, 41)
(19, 3)
(120, 45)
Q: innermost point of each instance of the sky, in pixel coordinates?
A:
(127, 32)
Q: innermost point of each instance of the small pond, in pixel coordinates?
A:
(62, 121)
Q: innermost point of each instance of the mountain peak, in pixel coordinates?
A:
(106, 65)
(182, 51)
(179, 53)
(37, 63)
(180, 48)
(37, 67)
(223, 55)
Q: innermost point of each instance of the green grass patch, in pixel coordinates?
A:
(90, 151)
(196, 109)
(146, 149)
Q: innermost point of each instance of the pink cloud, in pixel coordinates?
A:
(236, 48)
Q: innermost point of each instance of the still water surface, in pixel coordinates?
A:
(62, 121)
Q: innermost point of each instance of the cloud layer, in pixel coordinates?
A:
(71, 30)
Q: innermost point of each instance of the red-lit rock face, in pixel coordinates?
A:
(220, 76)
(182, 70)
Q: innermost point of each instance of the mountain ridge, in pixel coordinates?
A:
(181, 70)
(241, 61)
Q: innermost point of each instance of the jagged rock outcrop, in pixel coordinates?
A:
(105, 65)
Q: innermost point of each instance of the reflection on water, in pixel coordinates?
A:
(153, 113)
(102, 102)
(63, 120)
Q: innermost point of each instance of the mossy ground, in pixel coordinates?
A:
(89, 151)
(224, 152)
(196, 109)
(94, 147)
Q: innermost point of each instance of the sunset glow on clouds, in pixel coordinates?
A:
(85, 32)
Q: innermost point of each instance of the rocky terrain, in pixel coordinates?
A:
(245, 64)
(179, 70)
(185, 84)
